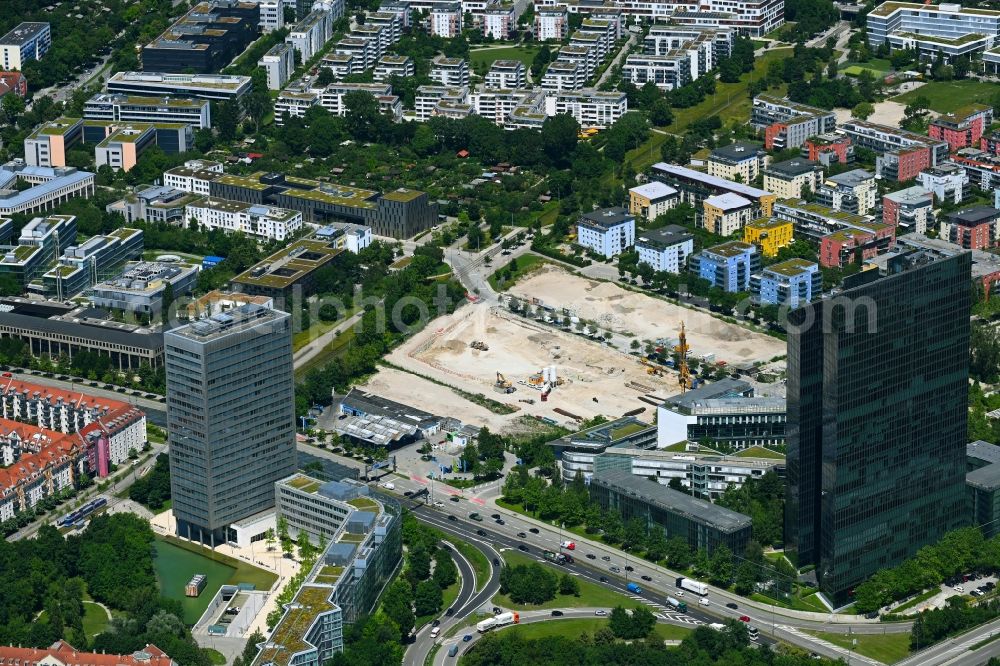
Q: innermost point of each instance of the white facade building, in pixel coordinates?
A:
(607, 232)
(267, 222)
(551, 24)
(446, 20)
(279, 63)
(665, 249)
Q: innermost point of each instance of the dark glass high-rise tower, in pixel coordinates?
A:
(230, 417)
(877, 418)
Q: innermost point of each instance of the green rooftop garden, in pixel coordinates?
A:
(626, 430)
(348, 537)
(363, 503)
(288, 635)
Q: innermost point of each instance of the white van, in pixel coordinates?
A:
(435, 631)
(389, 485)
(703, 601)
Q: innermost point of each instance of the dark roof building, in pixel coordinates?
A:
(204, 40)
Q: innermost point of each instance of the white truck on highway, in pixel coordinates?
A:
(717, 626)
(692, 586)
(501, 620)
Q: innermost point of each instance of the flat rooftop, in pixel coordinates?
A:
(712, 181)
(290, 264)
(23, 33)
(240, 318)
(792, 267)
(730, 249)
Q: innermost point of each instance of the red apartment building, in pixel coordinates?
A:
(962, 129)
(818, 149)
(973, 228)
(62, 653)
(13, 82)
(852, 245)
(991, 143)
(904, 164)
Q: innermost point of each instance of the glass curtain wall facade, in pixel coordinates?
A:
(877, 416)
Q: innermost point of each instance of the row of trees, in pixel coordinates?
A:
(955, 617)
(957, 552)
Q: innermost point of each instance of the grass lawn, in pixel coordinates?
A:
(525, 54)
(316, 329)
(95, 619)
(759, 452)
(807, 603)
(730, 102)
(875, 64)
(217, 658)
(330, 352)
(480, 565)
(592, 595)
(525, 264)
(887, 648)
(949, 96)
(573, 627)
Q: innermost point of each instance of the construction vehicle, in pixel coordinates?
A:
(502, 385)
(681, 350)
(529, 401)
(536, 380)
(480, 345)
(546, 389)
(650, 368)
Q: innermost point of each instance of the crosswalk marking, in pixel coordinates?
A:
(666, 612)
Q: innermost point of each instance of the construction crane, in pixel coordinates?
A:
(682, 365)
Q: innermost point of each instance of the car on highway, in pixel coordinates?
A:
(745, 618)
(436, 623)
(522, 535)
(604, 579)
(481, 533)
(496, 562)
(591, 556)
(408, 493)
(495, 516)
(439, 504)
(606, 558)
(557, 613)
(499, 521)
(450, 612)
(614, 569)
(732, 605)
(389, 485)
(455, 498)
(497, 610)
(533, 530)
(435, 631)
(629, 568)
(647, 578)
(452, 517)
(601, 612)
(523, 548)
(678, 592)
(703, 601)
(466, 638)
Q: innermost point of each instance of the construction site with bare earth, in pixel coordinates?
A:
(541, 369)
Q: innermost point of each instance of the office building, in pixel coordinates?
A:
(26, 42)
(973, 228)
(727, 266)
(32, 190)
(124, 146)
(576, 452)
(948, 29)
(279, 63)
(740, 162)
(651, 200)
(131, 108)
(371, 420)
(724, 415)
(351, 237)
(706, 475)
(949, 182)
(982, 481)
(963, 128)
(344, 586)
(861, 390)
(695, 187)
(551, 23)
(607, 232)
(791, 283)
(278, 275)
(727, 213)
(96, 259)
(217, 87)
(852, 191)
(792, 179)
(160, 203)
(665, 249)
(702, 524)
(829, 149)
(48, 144)
(230, 415)
(41, 241)
(205, 40)
(789, 124)
(255, 220)
(139, 289)
(769, 234)
(908, 210)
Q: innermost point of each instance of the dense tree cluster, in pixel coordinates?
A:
(703, 647)
(112, 561)
(957, 552)
(153, 489)
(631, 624)
(810, 16)
(955, 617)
(763, 499)
(529, 583)
(984, 349)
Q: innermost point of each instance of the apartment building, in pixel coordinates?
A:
(727, 266)
(446, 20)
(663, 39)
(389, 66)
(272, 15)
(665, 249)
(740, 162)
(401, 8)
(769, 234)
(205, 40)
(551, 24)
(13, 83)
(982, 168)
(351, 237)
(279, 63)
(791, 179)
(585, 56)
(505, 75)
(499, 22)
(127, 108)
(263, 222)
(948, 29)
(591, 108)
(886, 140)
(791, 283)
(852, 191)
(973, 228)
(727, 213)
(651, 199)
(963, 128)
(26, 42)
(46, 146)
(751, 19)
(391, 24)
(909, 210)
(217, 87)
(311, 34)
(695, 186)
(428, 98)
(948, 182)
(450, 72)
(788, 124)
(607, 232)
(564, 75)
(194, 177)
(829, 149)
